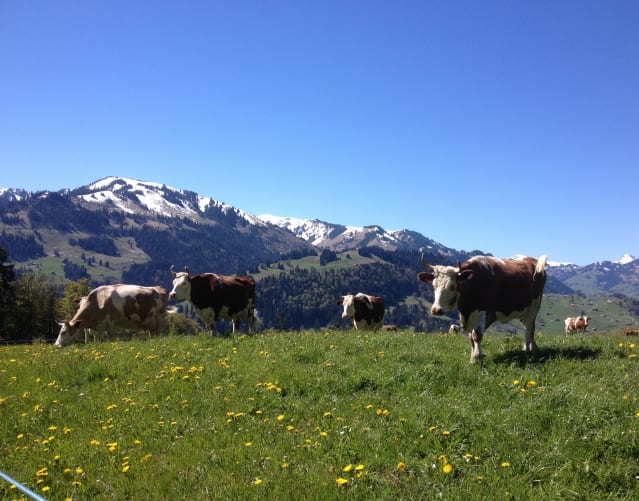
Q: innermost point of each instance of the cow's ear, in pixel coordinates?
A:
(464, 275)
(424, 276)
(340, 302)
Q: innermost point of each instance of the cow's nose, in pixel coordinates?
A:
(344, 315)
(436, 310)
(171, 295)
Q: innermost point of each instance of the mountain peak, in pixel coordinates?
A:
(626, 258)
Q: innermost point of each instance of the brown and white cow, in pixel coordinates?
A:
(364, 310)
(120, 305)
(579, 323)
(485, 289)
(216, 296)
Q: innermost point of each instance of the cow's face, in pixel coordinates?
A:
(181, 287)
(445, 280)
(348, 302)
(67, 335)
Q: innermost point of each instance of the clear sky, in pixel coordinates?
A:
(506, 126)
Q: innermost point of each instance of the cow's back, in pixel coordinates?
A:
(210, 290)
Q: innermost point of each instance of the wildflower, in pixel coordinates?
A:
(531, 384)
(146, 457)
(347, 468)
(248, 444)
(516, 382)
(75, 483)
(257, 481)
(401, 466)
(359, 467)
(284, 466)
(79, 471)
(125, 467)
(505, 464)
(46, 488)
(431, 429)
(280, 418)
(445, 433)
(43, 472)
(112, 446)
(341, 481)
(448, 468)
(95, 442)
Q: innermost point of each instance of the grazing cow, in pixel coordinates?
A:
(123, 305)
(216, 296)
(365, 311)
(576, 324)
(389, 327)
(485, 289)
(453, 329)
(631, 332)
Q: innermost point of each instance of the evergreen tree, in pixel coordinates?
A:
(7, 295)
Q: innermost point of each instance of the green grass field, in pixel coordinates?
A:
(321, 416)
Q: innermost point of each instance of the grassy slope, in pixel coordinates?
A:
(283, 415)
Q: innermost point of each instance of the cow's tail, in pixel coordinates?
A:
(541, 264)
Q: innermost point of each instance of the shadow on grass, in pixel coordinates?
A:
(543, 355)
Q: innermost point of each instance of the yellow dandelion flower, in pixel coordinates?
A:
(516, 382)
(284, 466)
(146, 457)
(401, 466)
(75, 483)
(258, 481)
(125, 468)
(79, 471)
(248, 444)
(46, 488)
(341, 481)
(95, 442)
(505, 464)
(445, 433)
(347, 468)
(448, 468)
(280, 418)
(531, 384)
(431, 429)
(359, 467)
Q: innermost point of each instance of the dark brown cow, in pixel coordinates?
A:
(576, 324)
(217, 296)
(485, 289)
(123, 305)
(365, 311)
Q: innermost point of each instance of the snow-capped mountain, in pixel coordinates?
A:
(131, 196)
(340, 238)
(626, 258)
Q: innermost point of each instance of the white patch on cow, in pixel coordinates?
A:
(181, 287)
(445, 289)
(349, 306)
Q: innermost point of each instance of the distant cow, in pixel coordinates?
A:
(389, 327)
(572, 324)
(453, 329)
(216, 296)
(365, 311)
(485, 289)
(631, 332)
(108, 306)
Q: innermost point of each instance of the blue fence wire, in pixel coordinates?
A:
(24, 489)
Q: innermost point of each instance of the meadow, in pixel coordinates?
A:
(322, 416)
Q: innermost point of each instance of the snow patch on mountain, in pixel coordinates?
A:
(627, 258)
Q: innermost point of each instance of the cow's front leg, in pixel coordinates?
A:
(529, 340)
(475, 337)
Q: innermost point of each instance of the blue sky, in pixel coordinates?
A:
(506, 126)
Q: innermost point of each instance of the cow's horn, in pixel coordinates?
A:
(426, 265)
(186, 268)
(172, 271)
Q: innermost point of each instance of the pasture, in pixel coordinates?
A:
(322, 415)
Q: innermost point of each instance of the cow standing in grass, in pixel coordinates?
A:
(216, 296)
(110, 306)
(365, 311)
(579, 323)
(485, 289)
